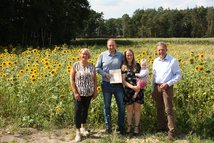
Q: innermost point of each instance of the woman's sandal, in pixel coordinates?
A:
(136, 130)
(128, 131)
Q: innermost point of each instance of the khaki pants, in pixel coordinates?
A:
(163, 100)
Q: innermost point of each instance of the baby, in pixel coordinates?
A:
(142, 76)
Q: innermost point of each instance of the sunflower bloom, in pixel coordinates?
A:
(99, 89)
(53, 72)
(201, 56)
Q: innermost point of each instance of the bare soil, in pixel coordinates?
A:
(30, 135)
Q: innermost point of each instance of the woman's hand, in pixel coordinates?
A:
(94, 95)
(136, 88)
(77, 97)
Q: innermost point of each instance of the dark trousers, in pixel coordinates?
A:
(81, 110)
(163, 100)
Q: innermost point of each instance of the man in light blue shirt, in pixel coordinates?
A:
(166, 72)
(110, 60)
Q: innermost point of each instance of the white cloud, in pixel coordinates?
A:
(117, 8)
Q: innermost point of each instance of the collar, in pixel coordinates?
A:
(166, 58)
(110, 53)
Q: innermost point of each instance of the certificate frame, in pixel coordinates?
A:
(116, 76)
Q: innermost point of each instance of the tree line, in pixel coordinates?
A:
(48, 22)
(197, 22)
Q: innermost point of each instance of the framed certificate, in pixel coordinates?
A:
(116, 76)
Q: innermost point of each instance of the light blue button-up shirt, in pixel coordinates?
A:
(166, 70)
(108, 62)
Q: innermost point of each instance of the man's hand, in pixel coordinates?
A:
(164, 86)
(108, 76)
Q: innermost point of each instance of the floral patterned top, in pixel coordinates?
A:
(132, 79)
(84, 79)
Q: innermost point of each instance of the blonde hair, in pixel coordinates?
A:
(144, 61)
(87, 51)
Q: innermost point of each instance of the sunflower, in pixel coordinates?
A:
(191, 60)
(4, 75)
(45, 59)
(74, 58)
(68, 69)
(155, 54)
(208, 71)
(35, 51)
(144, 53)
(58, 109)
(28, 66)
(199, 68)
(33, 79)
(15, 63)
(53, 72)
(33, 76)
(59, 64)
(201, 56)
(98, 89)
(35, 65)
(54, 52)
(46, 63)
(21, 72)
(4, 63)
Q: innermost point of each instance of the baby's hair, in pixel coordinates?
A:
(144, 61)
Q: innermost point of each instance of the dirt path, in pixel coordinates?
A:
(29, 135)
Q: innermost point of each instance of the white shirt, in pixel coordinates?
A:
(166, 70)
(143, 74)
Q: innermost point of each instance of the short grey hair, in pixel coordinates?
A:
(162, 44)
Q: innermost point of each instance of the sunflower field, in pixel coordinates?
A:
(35, 88)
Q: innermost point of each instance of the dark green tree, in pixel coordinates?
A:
(41, 22)
(210, 22)
(199, 22)
(93, 25)
(126, 25)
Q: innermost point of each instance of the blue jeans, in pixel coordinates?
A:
(108, 90)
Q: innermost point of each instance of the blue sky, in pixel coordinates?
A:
(117, 8)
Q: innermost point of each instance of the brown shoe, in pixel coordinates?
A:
(170, 136)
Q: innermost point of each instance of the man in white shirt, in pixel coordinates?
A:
(166, 72)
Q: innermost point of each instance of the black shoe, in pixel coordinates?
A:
(129, 129)
(121, 131)
(108, 130)
(136, 131)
